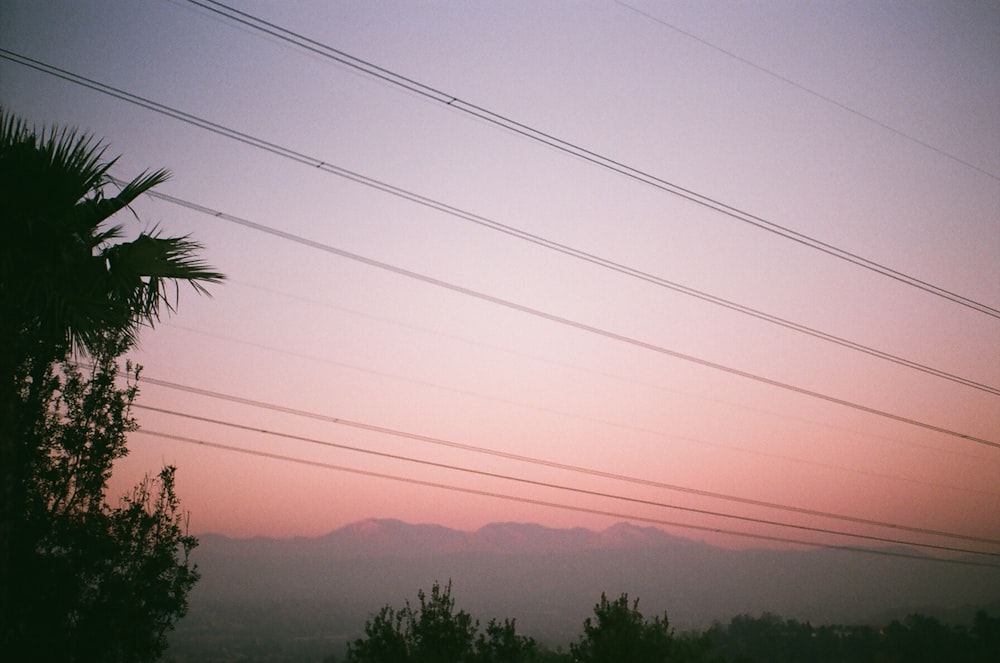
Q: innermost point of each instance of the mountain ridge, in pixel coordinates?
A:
(390, 537)
(548, 579)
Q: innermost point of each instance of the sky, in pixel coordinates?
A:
(873, 128)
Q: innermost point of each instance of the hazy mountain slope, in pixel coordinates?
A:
(321, 590)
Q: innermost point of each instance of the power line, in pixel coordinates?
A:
(562, 487)
(808, 90)
(537, 502)
(565, 467)
(558, 319)
(536, 461)
(719, 445)
(471, 217)
(575, 367)
(443, 284)
(452, 101)
(676, 287)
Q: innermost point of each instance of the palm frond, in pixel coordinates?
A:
(143, 183)
(46, 172)
(78, 154)
(61, 275)
(142, 270)
(13, 130)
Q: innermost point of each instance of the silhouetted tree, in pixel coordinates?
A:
(95, 582)
(434, 632)
(501, 644)
(67, 288)
(441, 635)
(917, 638)
(921, 638)
(64, 280)
(621, 633)
(387, 637)
(985, 635)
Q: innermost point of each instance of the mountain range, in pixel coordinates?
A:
(317, 592)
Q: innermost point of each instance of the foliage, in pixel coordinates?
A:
(95, 582)
(439, 633)
(80, 580)
(621, 633)
(501, 644)
(435, 633)
(388, 637)
(64, 280)
(917, 638)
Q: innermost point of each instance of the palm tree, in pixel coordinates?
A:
(64, 281)
(67, 285)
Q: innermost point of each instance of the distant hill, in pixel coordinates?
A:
(317, 592)
(387, 538)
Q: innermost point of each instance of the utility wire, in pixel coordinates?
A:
(562, 487)
(552, 464)
(381, 73)
(808, 90)
(537, 502)
(558, 319)
(579, 368)
(438, 282)
(968, 457)
(671, 285)
(473, 218)
(754, 452)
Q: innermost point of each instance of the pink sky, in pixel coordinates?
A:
(304, 329)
